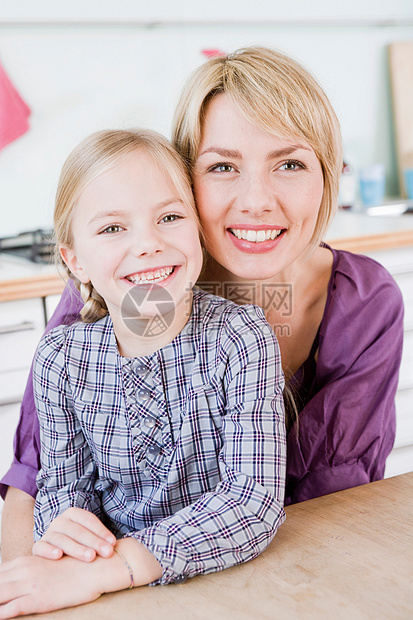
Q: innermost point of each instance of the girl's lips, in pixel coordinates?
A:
(254, 244)
(157, 276)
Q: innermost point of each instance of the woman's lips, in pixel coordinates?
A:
(256, 240)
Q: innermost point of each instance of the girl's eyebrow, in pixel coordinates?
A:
(104, 214)
(229, 153)
(121, 214)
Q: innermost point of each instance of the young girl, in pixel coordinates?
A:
(161, 412)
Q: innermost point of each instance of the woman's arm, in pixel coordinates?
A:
(36, 585)
(346, 430)
(16, 525)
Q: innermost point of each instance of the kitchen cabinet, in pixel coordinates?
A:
(22, 323)
(21, 326)
(400, 264)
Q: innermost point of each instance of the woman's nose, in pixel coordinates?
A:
(256, 194)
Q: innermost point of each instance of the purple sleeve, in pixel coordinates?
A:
(26, 462)
(346, 430)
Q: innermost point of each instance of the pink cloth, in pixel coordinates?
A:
(14, 112)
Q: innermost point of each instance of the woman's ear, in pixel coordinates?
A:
(70, 259)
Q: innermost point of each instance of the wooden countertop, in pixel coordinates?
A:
(351, 231)
(21, 279)
(345, 555)
(362, 233)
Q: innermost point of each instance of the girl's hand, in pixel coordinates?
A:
(77, 533)
(32, 584)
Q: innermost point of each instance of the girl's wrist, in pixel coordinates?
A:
(127, 566)
(131, 564)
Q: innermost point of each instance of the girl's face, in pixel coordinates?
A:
(130, 229)
(257, 195)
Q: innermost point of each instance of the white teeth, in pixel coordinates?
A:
(256, 236)
(151, 276)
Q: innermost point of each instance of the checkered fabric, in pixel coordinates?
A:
(183, 449)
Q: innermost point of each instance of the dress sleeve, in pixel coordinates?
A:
(23, 471)
(67, 472)
(346, 430)
(238, 519)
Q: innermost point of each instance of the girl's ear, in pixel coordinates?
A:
(70, 259)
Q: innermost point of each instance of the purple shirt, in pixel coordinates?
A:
(347, 424)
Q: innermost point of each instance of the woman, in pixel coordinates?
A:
(264, 150)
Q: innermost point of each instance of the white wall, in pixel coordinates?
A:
(97, 64)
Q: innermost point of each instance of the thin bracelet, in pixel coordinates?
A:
(126, 563)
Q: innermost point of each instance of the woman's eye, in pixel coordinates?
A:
(292, 165)
(171, 217)
(222, 168)
(113, 228)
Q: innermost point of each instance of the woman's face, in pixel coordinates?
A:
(258, 195)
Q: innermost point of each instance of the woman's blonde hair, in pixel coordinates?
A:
(278, 95)
(95, 155)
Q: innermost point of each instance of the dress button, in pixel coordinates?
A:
(139, 370)
(154, 450)
(143, 394)
(180, 579)
(149, 422)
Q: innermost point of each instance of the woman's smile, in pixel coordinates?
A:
(258, 195)
(255, 240)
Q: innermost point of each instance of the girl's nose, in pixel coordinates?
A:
(146, 241)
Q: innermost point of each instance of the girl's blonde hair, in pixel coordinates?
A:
(278, 95)
(95, 155)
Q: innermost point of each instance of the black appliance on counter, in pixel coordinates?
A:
(36, 246)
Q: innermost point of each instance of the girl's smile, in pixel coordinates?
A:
(157, 276)
(131, 228)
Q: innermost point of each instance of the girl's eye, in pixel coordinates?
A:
(171, 217)
(222, 167)
(292, 165)
(113, 228)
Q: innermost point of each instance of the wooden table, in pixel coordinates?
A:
(346, 556)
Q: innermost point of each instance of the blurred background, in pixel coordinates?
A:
(93, 64)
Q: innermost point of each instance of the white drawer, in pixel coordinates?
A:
(21, 327)
(399, 461)
(406, 368)
(404, 417)
(405, 282)
(12, 385)
(9, 417)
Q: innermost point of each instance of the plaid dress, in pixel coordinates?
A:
(183, 449)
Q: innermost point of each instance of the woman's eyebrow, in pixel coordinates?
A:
(222, 152)
(288, 150)
(230, 153)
